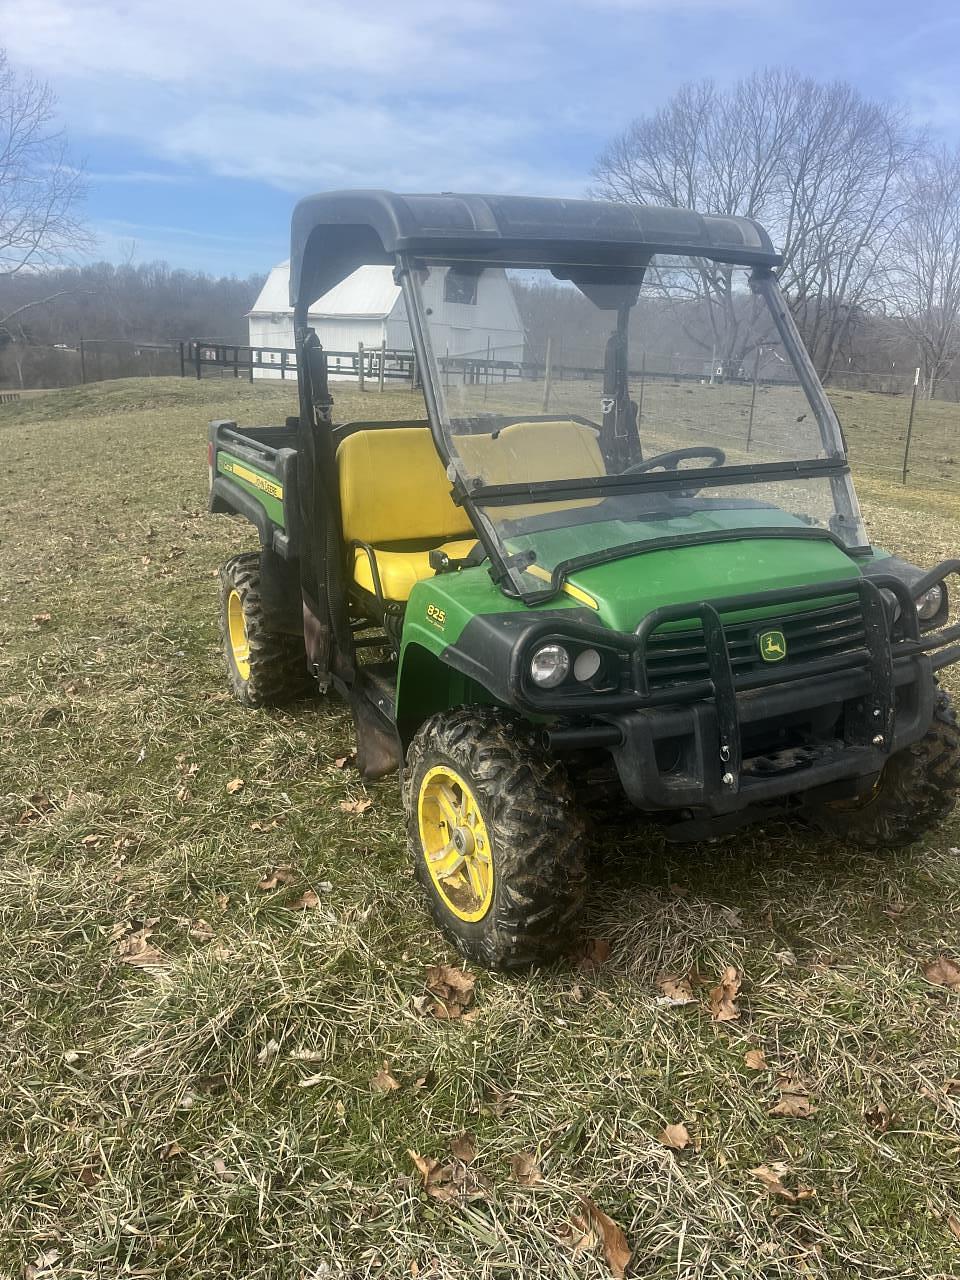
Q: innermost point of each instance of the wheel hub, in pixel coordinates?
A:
(455, 843)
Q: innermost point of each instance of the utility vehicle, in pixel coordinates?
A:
(618, 579)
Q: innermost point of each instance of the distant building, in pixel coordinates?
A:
(468, 312)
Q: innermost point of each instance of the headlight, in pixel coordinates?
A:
(930, 603)
(549, 666)
(586, 665)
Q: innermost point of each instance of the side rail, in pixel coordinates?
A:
(257, 481)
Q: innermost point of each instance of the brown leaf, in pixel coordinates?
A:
(462, 1148)
(951, 1087)
(615, 1248)
(235, 785)
(771, 1175)
(344, 761)
(41, 618)
(265, 826)
(356, 806)
(453, 990)
(92, 841)
(383, 1081)
(878, 1117)
(201, 930)
(90, 1175)
(675, 990)
(306, 902)
(675, 1136)
(794, 1101)
(172, 1151)
(41, 1266)
(275, 877)
(525, 1169)
(943, 972)
(754, 1060)
(221, 1170)
(594, 954)
(953, 1224)
(723, 997)
(437, 1180)
(135, 950)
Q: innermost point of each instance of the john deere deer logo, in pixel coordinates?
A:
(772, 645)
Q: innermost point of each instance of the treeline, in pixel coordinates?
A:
(865, 210)
(48, 312)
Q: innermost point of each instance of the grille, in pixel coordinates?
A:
(680, 657)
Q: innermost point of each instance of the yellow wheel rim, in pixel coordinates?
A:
(456, 846)
(237, 632)
(860, 802)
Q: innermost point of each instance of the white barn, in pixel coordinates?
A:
(468, 312)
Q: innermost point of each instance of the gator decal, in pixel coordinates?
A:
(265, 488)
(258, 481)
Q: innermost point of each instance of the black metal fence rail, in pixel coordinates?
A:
(378, 365)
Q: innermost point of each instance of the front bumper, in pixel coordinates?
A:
(727, 742)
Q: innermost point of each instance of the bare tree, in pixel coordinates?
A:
(924, 279)
(818, 165)
(40, 191)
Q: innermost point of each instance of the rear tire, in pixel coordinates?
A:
(917, 789)
(264, 668)
(516, 808)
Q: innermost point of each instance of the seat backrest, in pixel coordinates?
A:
(530, 451)
(393, 488)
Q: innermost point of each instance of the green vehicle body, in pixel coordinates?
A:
(463, 636)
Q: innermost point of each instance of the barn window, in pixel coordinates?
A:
(460, 286)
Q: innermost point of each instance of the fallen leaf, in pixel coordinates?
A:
(594, 954)
(89, 1175)
(265, 826)
(201, 930)
(723, 997)
(953, 1224)
(235, 785)
(136, 950)
(463, 1148)
(221, 1170)
(172, 1151)
(383, 1081)
(794, 1101)
(41, 618)
(342, 762)
(878, 1117)
(771, 1176)
(41, 1266)
(675, 1136)
(92, 841)
(943, 972)
(675, 990)
(306, 902)
(951, 1087)
(754, 1060)
(615, 1248)
(269, 1050)
(436, 1179)
(356, 806)
(452, 989)
(525, 1169)
(275, 877)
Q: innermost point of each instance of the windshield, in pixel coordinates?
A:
(629, 405)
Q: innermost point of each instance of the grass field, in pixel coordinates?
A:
(197, 1071)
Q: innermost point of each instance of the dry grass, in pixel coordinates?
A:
(252, 1042)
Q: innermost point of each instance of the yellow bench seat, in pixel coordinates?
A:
(400, 570)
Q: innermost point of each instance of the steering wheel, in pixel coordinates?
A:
(670, 461)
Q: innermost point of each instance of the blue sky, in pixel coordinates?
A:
(200, 124)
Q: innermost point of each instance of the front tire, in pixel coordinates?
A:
(496, 838)
(917, 789)
(265, 668)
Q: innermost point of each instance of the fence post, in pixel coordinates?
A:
(643, 381)
(547, 374)
(182, 364)
(360, 366)
(906, 443)
(196, 356)
(383, 361)
(413, 371)
(250, 349)
(753, 395)
(83, 364)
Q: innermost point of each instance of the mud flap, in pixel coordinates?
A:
(378, 744)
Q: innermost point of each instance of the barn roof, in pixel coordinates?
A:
(368, 294)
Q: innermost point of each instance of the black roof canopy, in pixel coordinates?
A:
(337, 231)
